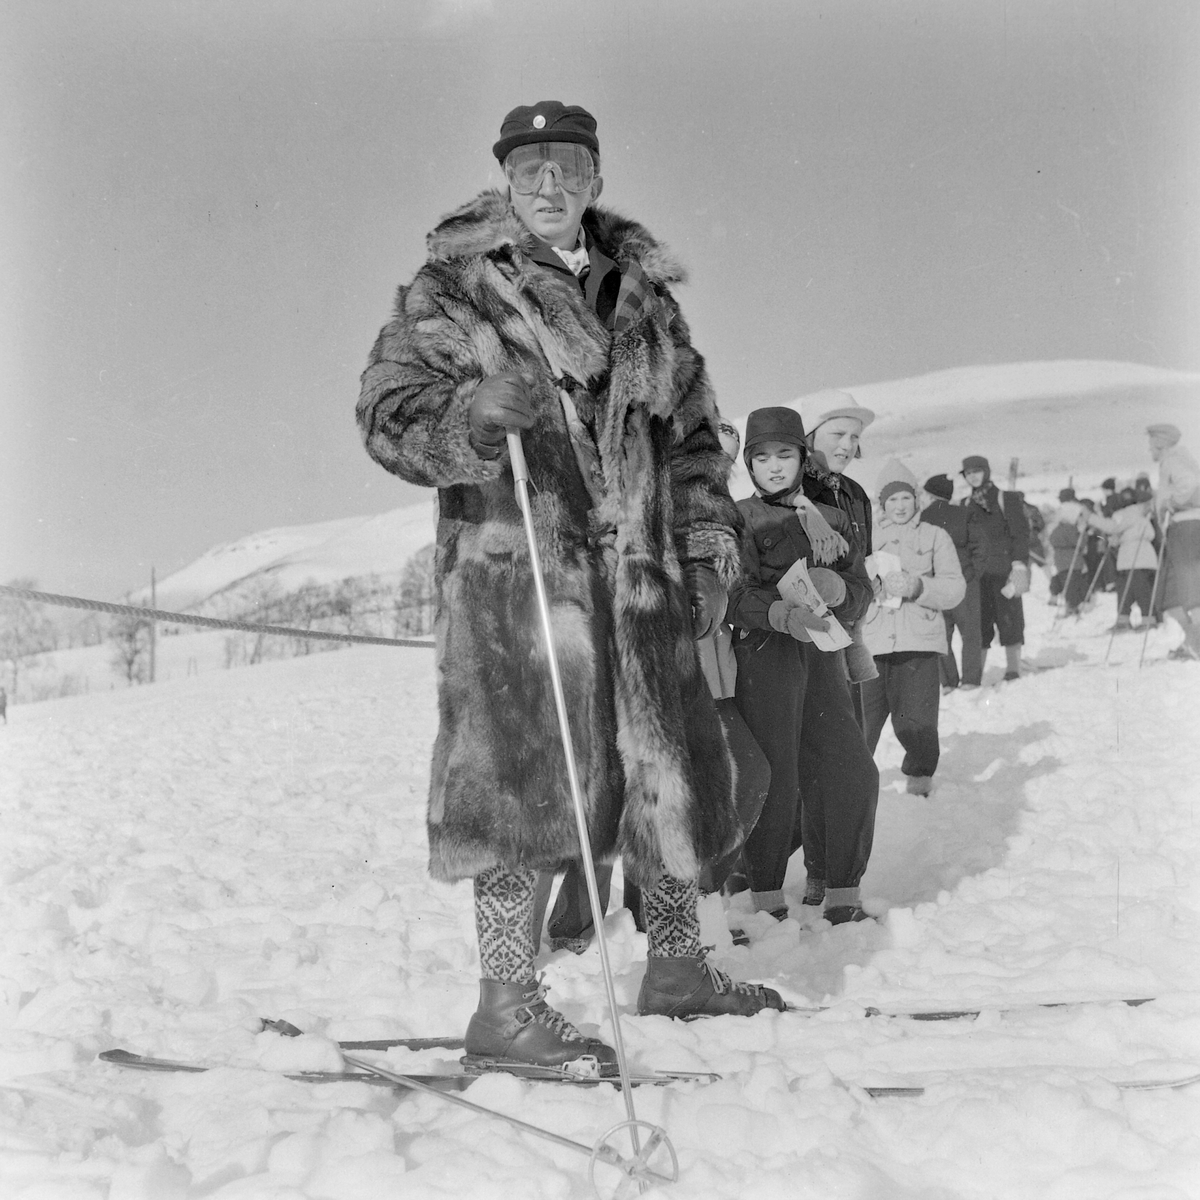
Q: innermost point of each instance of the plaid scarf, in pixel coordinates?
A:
(633, 299)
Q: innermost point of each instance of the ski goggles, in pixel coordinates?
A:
(572, 163)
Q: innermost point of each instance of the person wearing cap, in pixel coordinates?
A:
(540, 312)
(1002, 535)
(936, 509)
(794, 697)
(904, 629)
(1177, 507)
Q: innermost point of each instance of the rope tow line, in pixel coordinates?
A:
(157, 614)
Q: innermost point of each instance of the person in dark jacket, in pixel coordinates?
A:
(1001, 533)
(538, 310)
(795, 697)
(964, 616)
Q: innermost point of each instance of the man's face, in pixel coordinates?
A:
(900, 507)
(1157, 447)
(975, 476)
(837, 440)
(775, 466)
(552, 213)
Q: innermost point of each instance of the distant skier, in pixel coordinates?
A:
(964, 616)
(1003, 567)
(1130, 532)
(1177, 504)
(539, 311)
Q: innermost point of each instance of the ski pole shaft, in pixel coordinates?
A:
(520, 470)
(1125, 592)
(417, 1086)
(1158, 572)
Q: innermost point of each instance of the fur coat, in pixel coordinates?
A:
(654, 767)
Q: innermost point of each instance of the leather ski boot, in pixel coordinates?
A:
(692, 987)
(514, 1024)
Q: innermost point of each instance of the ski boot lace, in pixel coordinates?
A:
(541, 1012)
(722, 983)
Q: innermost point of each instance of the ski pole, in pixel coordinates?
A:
(516, 454)
(1125, 594)
(1095, 578)
(1067, 582)
(637, 1169)
(1158, 572)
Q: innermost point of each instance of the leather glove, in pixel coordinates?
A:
(707, 597)
(794, 620)
(827, 544)
(831, 587)
(902, 584)
(501, 402)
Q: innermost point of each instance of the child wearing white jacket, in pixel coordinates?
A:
(917, 575)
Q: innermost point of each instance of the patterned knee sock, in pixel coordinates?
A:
(672, 926)
(504, 923)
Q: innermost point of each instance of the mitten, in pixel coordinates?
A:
(903, 584)
(795, 621)
(831, 587)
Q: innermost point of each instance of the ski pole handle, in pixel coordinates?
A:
(516, 456)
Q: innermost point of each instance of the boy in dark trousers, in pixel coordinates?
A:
(794, 697)
(1001, 531)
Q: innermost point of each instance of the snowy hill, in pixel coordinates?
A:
(297, 554)
(1060, 419)
(1080, 420)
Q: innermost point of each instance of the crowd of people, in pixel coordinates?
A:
(727, 668)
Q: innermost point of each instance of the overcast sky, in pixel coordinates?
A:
(206, 206)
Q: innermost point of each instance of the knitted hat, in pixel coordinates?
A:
(976, 462)
(546, 121)
(895, 477)
(941, 486)
(1166, 432)
(1109, 484)
(773, 425)
(824, 406)
(1065, 495)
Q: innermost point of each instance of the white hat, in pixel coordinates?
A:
(825, 405)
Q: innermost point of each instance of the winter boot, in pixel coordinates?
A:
(692, 987)
(919, 785)
(513, 1023)
(843, 905)
(1122, 625)
(841, 914)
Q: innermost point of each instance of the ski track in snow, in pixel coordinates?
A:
(180, 860)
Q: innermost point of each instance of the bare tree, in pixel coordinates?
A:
(130, 636)
(414, 604)
(25, 632)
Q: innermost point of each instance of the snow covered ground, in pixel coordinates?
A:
(181, 860)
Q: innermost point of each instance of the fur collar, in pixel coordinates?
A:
(487, 224)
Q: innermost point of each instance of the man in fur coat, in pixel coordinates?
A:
(538, 311)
